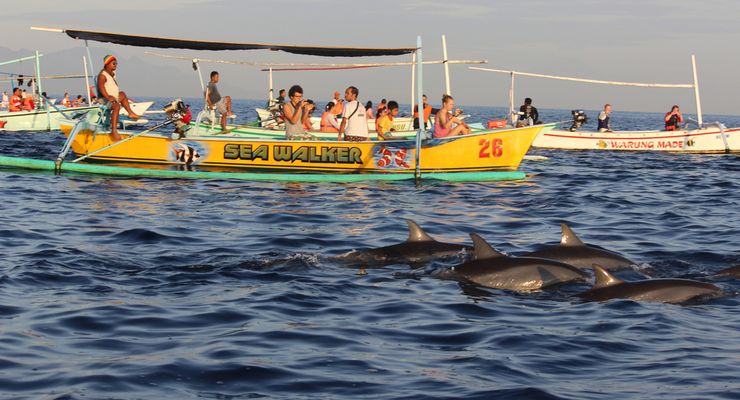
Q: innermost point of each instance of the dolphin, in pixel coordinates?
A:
(573, 251)
(493, 269)
(733, 272)
(673, 291)
(418, 249)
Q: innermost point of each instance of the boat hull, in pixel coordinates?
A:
(204, 129)
(37, 120)
(500, 150)
(707, 140)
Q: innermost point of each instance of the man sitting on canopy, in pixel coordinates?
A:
(110, 94)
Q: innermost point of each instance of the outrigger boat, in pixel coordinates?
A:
(486, 155)
(704, 138)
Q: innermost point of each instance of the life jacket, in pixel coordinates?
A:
(326, 126)
(672, 123)
(15, 103)
(427, 112)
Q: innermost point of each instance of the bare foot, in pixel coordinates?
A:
(115, 136)
(133, 116)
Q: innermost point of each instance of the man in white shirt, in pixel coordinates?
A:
(354, 119)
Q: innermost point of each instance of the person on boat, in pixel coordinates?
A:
(338, 104)
(385, 121)
(222, 105)
(110, 94)
(673, 119)
(16, 101)
(428, 111)
(65, 100)
(369, 110)
(528, 114)
(604, 124)
(78, 102)
(329, 121)
(28, 103)
(5, 101)
(307, 124)
(444, 122)
(354, 120)
(281, 97)
(381, 106)
(295, 115)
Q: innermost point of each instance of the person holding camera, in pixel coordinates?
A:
(296, 114)
(673, 119)
(447, 123)
(604, 124)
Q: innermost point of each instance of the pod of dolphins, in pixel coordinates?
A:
(567, 262)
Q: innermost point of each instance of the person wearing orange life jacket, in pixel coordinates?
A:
(329, 122)
(15, 100)
(428, 111)
(673, 119)
(28, 103)
(65, 100)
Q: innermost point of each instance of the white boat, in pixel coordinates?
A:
(706, 138)
(41, 120)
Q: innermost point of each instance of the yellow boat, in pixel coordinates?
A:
(491, 150)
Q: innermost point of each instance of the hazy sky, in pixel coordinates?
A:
(630, 40)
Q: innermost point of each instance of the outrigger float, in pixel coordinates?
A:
(704, 138)
(483, 156)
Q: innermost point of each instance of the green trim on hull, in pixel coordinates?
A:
(48, 165)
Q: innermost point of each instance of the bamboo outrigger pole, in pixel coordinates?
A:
(446, 65)
(420, 107)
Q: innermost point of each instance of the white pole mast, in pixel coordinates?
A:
(419, 93)
(87, 80)
(511, 100)
(270, 92)
(696, 92)
(413, 81)
(447, 66)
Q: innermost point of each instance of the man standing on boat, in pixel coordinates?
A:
(222, 105)
(604, 124)
(354, 120)
(110, 94)
(673, 119)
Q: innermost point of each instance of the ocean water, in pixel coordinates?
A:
(114, 288)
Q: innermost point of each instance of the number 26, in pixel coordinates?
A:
(496, 147)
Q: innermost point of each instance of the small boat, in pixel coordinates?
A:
(705, 138)
(40, 120)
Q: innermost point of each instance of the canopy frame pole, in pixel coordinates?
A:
(513, 117)
(87, 81)
(413, 81)
(38, 89)
(696, 92)
(196, 64)
(89, 60)
(446, 65)
(420, 105)
(19, 60)
(270, 91)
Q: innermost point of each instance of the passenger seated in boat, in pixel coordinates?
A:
(604, 124)
(110, 94)
(428, 111)
(65, 100)
(16, 102)
(307, 125)
(528, 114)
(295, 115)
(222, 105)
(5, 101)
(338, 104)
(445, 119)
(385, 121)
(381, 106)
(354, 121)
(369, 110)
(28, 103)
(329, 122)
(673, 119)
(78, 102)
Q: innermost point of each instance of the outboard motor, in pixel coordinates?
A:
(180, 115)
(579, 118)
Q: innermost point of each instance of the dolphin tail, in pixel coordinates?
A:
(482, 250)
(603, 277)
(569, 238)
(416, 234)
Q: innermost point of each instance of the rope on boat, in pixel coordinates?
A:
(566, 78)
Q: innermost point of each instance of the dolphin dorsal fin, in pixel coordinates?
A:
(569, 238)
(603, 277)
(416, 234)
(482, 249)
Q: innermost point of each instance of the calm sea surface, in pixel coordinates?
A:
(170, 289)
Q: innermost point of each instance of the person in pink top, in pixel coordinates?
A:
(444, 122)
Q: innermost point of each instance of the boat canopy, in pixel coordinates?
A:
(172, 43)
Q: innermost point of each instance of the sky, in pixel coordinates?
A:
(627, 40)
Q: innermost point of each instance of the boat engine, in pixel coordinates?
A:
(180, 115)
(579, 118)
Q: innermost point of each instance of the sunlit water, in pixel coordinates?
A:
(170, 289)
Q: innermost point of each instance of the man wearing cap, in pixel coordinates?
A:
(110, 94)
